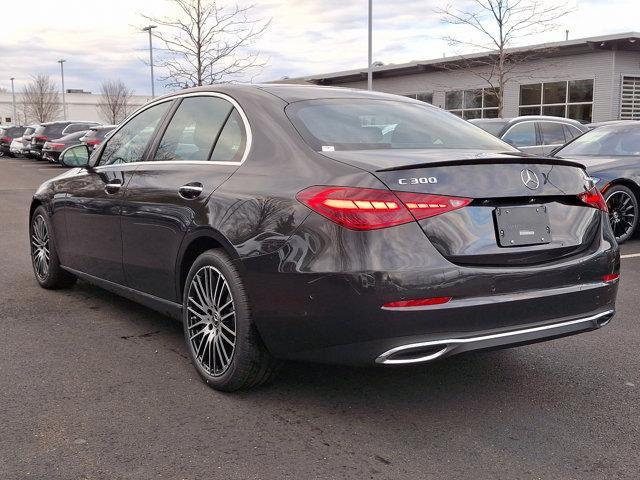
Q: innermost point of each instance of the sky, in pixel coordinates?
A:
(102, 40)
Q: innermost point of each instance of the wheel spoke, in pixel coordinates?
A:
(212, 335)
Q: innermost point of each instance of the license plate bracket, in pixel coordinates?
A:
(522, 226)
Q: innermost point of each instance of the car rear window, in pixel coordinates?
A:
(12, 132)
(363, 124)
(612, 140)
(51, 131)
(494, 128)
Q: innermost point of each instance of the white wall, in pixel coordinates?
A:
(80, 106)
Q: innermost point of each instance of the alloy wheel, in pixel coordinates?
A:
(40, 247)
(211, 320)
(622, 213)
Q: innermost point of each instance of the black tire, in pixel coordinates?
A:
(623, 211)
(52, 277)
(249, 363)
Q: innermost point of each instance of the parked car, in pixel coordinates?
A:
(95, 135)
(52, 148)
(53, 130)
(611, 154)
(436, 240)
(26, 140)
(536, 135)
(7, 136)
(591, 126)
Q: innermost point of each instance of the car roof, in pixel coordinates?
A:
(63, 122)
(294, 92)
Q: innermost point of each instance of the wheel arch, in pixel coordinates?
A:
(193, 245)
(625, 182)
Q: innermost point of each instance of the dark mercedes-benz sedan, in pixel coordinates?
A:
(327, 224)
(611, 154)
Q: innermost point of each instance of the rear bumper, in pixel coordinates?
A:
(321, 297)
(422, 352)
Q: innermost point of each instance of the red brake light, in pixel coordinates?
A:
(356, 208)
(56, 146)
(422, 302)
(92, 142)
(41, 138)
(594, 199)
(369, 209)
(426, 205)
(612, 277)
(5, 139)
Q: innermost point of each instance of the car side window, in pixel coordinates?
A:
(193, 129)
(521, 135)
(232, 141)
(129, 143)
(552, 133)
(571, 132)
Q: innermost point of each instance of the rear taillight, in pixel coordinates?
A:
(5, 139)
(369, 209)
(610, 278)
(41, 138)
(93, 143)
(55, 146)
(426, 205)
(594, 199)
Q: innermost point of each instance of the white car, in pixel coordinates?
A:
(16, 146)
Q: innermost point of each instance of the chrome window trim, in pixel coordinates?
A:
(236, 105)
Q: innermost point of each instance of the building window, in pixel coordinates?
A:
(476, 103)
(630, 98)
(571, 99)
(423, 97)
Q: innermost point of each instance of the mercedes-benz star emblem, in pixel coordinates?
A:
(530, 179)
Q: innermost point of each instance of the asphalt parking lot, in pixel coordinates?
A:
(94, 386)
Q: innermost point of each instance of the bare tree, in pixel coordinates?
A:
(208, 43)
(41, 99)
(115, 103)
(497, 27)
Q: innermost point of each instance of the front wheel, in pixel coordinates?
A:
(223, 343)
(44, 254)
(623, 211)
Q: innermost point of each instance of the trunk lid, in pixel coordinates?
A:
(524, 210)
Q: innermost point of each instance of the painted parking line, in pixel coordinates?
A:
(631, 255)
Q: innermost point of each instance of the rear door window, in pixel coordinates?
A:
(232, 141)
(521, 135)
(193, 130)
(552, 133)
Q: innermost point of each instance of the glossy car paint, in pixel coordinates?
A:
(316, 289)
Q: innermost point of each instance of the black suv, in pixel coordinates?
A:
(51, 130)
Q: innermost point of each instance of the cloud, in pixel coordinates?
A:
(102, 40)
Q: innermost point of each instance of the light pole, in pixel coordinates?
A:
(13, 95)
(370, 68)
(64, 101)
(148, 29)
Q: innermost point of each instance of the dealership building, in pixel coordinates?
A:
(81, 105)
(589, 79)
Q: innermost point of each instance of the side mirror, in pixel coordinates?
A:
(76, 156)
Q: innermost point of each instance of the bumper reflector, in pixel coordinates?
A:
(612, 277)
(421, 302)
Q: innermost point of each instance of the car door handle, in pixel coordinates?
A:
(113, 186)
(190, 190)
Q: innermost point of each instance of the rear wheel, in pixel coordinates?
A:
(44, 255)
(223, 343)
(623, 211)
